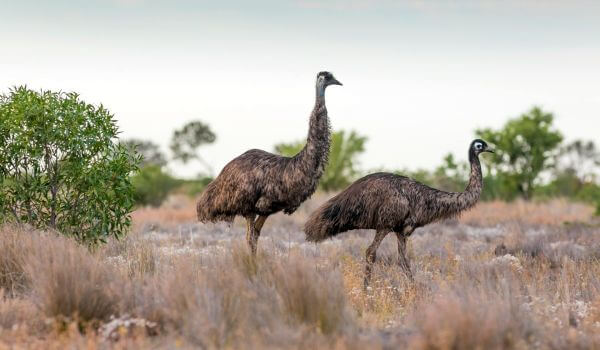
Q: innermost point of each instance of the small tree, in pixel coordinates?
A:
(149, 152)
(341, 168)
(580, 158)
(575, 175)
(186, 141)
(525, 147)
(61, 167)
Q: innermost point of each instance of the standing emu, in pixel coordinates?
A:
(257, 183)
(392, 203)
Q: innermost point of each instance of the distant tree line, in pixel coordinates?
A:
(62, 166)
(532, 161)
(153, 183)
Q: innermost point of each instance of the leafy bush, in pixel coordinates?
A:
(152, 185)
(194, 187)
(525, 147)
(61, 167)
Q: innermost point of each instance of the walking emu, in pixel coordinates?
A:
(392, 203)
(257, 183)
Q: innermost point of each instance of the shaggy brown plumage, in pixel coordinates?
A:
(393, 203)
(258, 183)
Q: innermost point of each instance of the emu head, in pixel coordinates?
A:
(324, 79)
(479, 146)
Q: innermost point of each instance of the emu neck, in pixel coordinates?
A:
(321, 91)
(454, 203)
(313, 157)
(471, 194)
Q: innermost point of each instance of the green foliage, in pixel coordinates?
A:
(451, 176)
(289, 149)
(581, 158)
(153, 185)
(422, 175)
(575, 174)
(194, 187)
(186, 141)
(61, 167)
(149, 151)
(341, 169)
(525, 147)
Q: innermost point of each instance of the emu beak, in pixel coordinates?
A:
(490, 150)
(334, 81)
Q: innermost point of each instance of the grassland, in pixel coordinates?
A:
(519, 275)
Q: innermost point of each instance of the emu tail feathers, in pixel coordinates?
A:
(326, 222)
(209, 208)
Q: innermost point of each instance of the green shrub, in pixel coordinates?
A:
(61, 167)
(193, 188)
(153, 185)
(525, 147)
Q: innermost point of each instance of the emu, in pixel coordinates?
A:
(393, 203)
(257, 184)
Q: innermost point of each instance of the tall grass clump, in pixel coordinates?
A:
(209, 309)
(310, 297)
(17, 311)
(134, 254)
(16, 246)
(67, 281)
(471, 319)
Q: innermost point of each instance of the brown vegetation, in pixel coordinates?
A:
(182, 285)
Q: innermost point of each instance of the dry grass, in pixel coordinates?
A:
(68, 282)
(176, 210)
(15, 247)
(555, 212)
(503, 276)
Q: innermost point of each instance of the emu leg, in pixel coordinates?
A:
(371, 255)
(402, 259)
(258, 224)
(250, 233)
(260, 221)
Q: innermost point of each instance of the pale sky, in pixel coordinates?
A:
(419, 76)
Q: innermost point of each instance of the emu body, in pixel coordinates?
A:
(392, 203)
(257, 183)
